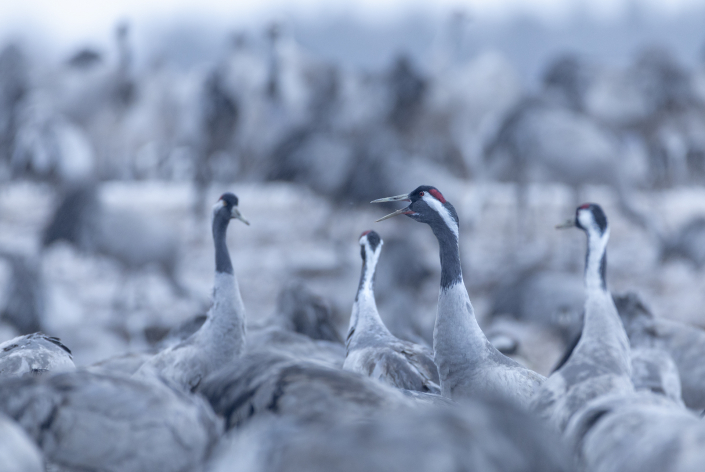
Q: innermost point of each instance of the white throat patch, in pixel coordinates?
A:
(443, 211)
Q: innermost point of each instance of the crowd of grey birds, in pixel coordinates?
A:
(487, 342)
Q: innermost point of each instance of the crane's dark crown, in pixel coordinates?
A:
(229, 199)
(597, 215)
(372, 238)
(422, 190)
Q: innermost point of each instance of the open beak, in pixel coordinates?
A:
(566, 225)
(235, 215)
(403, 211)
(398, 198)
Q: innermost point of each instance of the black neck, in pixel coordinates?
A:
(364, 275)
(451, 273)
(222, 256)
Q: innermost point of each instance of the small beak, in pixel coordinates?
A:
(235, 215)
(403, 211)
(398, 198)
(566, 225)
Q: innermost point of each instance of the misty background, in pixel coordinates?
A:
(120, 125)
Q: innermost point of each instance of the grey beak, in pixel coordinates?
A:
(398, 198)
(235, 215)
(566, 225)
(402, 211)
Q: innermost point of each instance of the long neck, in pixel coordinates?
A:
(459, 344)
(596, 262)
(603, 328)
(222, 256)
(225, 329)
(365, 317)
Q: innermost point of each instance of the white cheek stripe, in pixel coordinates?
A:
(218, 205)
(443, 211)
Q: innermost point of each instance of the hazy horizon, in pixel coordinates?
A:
(363, 34)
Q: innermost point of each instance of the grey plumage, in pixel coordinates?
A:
(34, 354)
(130, 362)
(183, 331)
(534, 346)
(600, 364)
(302, 311)
(24, 294)
(426, 398)
(653, 370)
(687, 244)
(468, 364)
(541, 140)
(488, 436)
(222, 337)
(300, 346)
(284, 339)
(552, 299)
(85, 421)
(123, 364)
(685, 344)
(262, 384)
(399, 283)
(14, 90)
(82, 220)
(371, 349)
(18, 453)
(637, 432)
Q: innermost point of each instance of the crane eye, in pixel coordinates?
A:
(422, 193)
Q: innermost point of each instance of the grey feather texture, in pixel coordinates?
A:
(549, 298)
(265, 384)
(684, 343)
(371, 349)
(638, 432)
(220, 340)
(85, 421)
(302, 311)
(687, 244)
(125, 364)
(653, 370)
(24, 294)
(297, 345)
(487, 436)
(34, 354)
(18, 453)
(132, 241)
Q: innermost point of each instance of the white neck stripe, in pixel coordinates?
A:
(443, 211)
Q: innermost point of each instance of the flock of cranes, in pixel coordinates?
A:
(625, 397)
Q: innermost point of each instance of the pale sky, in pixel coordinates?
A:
(76, 20)
(66, 24)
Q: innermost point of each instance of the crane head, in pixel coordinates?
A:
(426, 205)
(228, 202)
